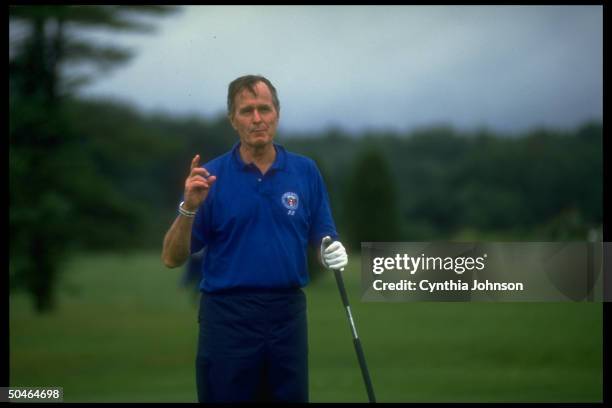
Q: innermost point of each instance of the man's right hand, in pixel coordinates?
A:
(197, 185)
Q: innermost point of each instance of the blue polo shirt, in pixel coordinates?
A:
(257, 227)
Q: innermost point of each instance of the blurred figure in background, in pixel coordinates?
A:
(193, 273)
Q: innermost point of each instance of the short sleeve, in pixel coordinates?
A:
(322, 221)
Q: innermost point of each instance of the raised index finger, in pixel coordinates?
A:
(195, 162)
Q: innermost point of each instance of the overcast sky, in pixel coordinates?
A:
(508, 68)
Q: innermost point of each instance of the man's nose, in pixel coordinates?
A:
(256, 116)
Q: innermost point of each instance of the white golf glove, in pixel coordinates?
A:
(333, 256)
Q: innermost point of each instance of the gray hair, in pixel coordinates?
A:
(248, 82)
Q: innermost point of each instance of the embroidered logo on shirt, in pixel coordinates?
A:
(290, 201)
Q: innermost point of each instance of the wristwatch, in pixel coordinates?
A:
(185, 212)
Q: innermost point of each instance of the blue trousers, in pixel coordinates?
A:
(252, 346)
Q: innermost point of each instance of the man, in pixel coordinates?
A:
(256, 209)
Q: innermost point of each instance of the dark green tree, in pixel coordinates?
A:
(57, 197)
(370, 202)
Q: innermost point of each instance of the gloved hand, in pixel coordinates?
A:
(333, 256)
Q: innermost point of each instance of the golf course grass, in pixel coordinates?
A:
(124, 331)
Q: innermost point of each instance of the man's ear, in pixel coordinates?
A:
(231, 121)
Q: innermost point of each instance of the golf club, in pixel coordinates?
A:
(357, 343)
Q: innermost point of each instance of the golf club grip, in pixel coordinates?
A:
(356, 342)
(340, 283)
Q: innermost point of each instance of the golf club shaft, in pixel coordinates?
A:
(356, 341)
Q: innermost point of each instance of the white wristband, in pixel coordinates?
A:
(185, 212)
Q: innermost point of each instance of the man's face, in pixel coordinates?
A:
(254, 117)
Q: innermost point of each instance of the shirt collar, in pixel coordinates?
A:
(279, 160)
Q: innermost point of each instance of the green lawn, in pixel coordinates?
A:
(125, 331)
